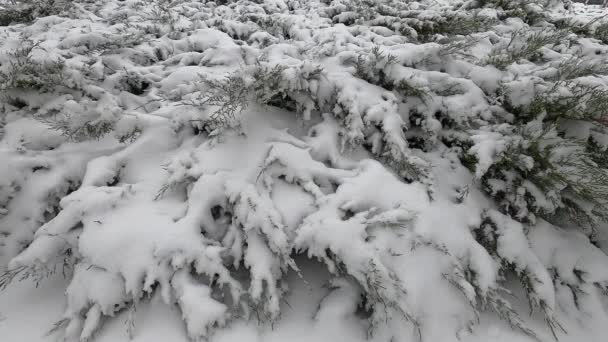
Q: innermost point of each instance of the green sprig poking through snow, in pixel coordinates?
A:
(24, 73)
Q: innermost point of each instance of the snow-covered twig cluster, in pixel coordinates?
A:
(426, 153)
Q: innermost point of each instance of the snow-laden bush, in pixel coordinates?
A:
(425, 153)
(24, 72)
(23, 11)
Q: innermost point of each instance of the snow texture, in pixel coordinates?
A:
(306, 170)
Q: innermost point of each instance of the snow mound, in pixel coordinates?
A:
(431, 158)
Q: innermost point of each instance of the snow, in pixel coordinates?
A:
(302, 170)
(588, 11)
(199, 310)
(302, 318)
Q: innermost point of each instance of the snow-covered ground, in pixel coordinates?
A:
(301, 170)
(30, 313)
(588, 11)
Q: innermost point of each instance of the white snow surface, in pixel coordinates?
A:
(273, 224)
(588, 11)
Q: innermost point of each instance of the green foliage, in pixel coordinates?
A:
(450, 24)
(488, 235)
(228, 96)
(597, 153)
(373, 67)
(571, 173)
(71, 127)
(576, 67)
(129, 136)
(407, 89)
(112, 42)
(37, 273)
(524, 46)
(161, 11)
(275, 25)
(10, 16)
(601, 32)
(27, 73)
(23, 11)
(530, 11)
(556, 167)
(569, 100)
(134, 83)
(267, 85)
(505, 311)
(458, 47)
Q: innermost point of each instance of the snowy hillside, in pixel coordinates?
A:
(320, 170)
(588, 11)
